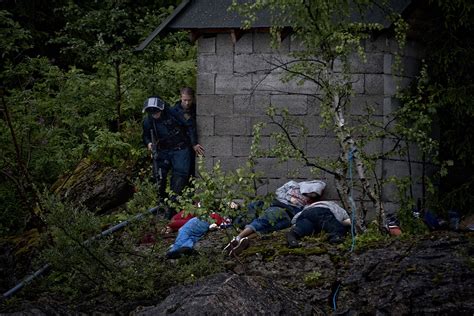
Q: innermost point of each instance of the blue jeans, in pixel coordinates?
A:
(178, 161)
(273, 218)
(317, 219)
(190, 233)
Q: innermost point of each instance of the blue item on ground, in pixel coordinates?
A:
(189, 234)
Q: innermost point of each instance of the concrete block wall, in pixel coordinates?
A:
(237, 82)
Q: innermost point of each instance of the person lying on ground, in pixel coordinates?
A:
(290, 199)
(317, 217)
(193, 230)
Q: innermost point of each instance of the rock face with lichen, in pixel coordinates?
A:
(99, 188)
(429, 275)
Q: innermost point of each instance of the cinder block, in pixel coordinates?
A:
(281, 63)
(244, 44)
(230, 164)
(390, 193)
(389, 207)
(241, 146)
(295, 104)
(313, 124)
(274, 183)
(295, 44)
(358, 82)
(252, 63)
(213, 63)
(374, 84)
(206, 44)
(205, 125)
(298, 170)
(361, 104)
(233, 84)
(251, 104)
(268, 129)
(207, 163)
(314, 104)
(373, 147)
(217, 146)
(377, 44)
(262, 188)
(261, 42)
(266, 143)
(271, 167)
(387, 63)
(391, 145)
(205, 83)
(373, 64)
(232, 125)
(215, 104)
(323, 147)
(224, 45)
(273, 84)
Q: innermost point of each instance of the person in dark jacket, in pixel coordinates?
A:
(172, 135)
(186, 107)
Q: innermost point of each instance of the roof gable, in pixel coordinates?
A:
(214, 14)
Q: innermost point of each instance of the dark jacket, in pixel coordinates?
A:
(189, 117)
(171, 130)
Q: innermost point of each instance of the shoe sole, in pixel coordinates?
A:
(227, 249)
(243, 244)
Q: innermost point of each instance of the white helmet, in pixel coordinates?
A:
(153, 104)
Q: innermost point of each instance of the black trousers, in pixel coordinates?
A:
(317, 219)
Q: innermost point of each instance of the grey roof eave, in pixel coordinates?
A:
(213, 14)
(162, 26)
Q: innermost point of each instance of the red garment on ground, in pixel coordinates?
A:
(219, 219)
(179, 220)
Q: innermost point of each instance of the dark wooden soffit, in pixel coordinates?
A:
(236, 33)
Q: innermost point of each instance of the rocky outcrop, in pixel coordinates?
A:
(426, 275)
(100, 188)
(229, 294)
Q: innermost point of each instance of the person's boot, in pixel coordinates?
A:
(292, 239)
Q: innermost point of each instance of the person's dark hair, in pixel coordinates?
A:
(186, 90)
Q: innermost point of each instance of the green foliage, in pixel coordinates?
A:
(144, 197)
(115, 266)
(443, 97)
(410, 224)
(13, 38)
(313, 279)
(107, 147)
(58, 115)
(372, 237)
(215, 190)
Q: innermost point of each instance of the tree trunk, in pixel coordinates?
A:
(350, 151)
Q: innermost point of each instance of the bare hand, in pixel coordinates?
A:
(199, 149)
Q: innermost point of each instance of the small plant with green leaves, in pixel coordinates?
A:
(313, 279)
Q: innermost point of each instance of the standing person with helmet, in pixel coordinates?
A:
(172, 136)
(186, 107)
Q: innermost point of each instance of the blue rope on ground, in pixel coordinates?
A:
(351, 199)
(334, 298)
